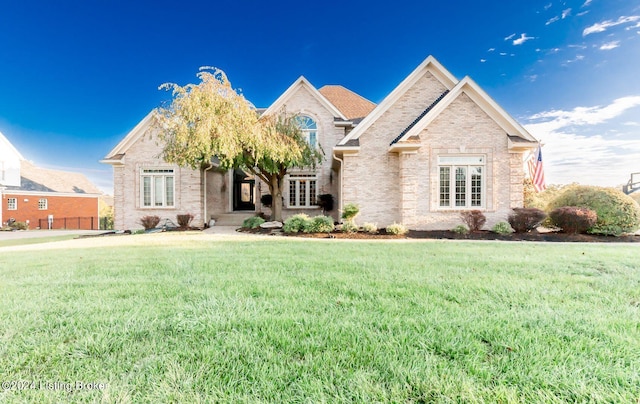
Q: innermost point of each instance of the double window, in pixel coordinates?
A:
(309, 129)
(461, 182)
(157, 188)
(302, 190)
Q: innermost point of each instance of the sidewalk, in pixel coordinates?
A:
(25, 234)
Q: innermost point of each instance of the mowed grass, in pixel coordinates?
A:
(323, 321)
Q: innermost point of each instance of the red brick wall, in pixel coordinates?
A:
(70, 207)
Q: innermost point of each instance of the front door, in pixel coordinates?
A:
(243, 185)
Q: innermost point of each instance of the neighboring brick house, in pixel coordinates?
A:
(42, 196)
(435, 146)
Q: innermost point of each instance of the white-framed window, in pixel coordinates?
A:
(157, 187)
(43, 204)
(12, 203)
(309, 129)
(461, 182)
(302, 190)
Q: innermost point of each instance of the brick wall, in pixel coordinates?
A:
(58, 206)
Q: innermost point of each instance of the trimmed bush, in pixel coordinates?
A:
(573, 220)
(349, 227)
(321, 224)
(297, 223)
(396, 229)
(502, 228)
(617, 213)
(252, 222)
(460, 229)
(184, 220)
(474, 219)
(149, 222)
(370, 228)
(523, 220)
(19, 226)
(350, 211)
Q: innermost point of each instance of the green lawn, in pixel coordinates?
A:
(273, 320)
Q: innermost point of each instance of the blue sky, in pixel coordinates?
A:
(76, 76)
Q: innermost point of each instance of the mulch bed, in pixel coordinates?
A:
(449, 235)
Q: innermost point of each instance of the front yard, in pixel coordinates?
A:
(175, 318)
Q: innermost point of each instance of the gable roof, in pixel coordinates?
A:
(469, 87)
(352, 105)
(431, 65)
(5, 144)
(303, 83)
(116, 155)
(39, 179)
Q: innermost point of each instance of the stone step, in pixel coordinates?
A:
(232, 219)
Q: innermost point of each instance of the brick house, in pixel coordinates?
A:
(36, 195)
(435, 146)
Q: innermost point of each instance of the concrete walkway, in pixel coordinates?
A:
(26, 234)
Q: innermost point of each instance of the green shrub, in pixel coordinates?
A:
(350, 211)
(297, 223)
(396, 229)
(19, 226)
(460, 229)
(523, 220)
(502, 228)
(370, 228)
(149, 222)
(573, 220)
(474, 219)
(321, 224)
(349, 227)
(252, 222)
(617, 212)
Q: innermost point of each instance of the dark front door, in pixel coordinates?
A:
(243, 191)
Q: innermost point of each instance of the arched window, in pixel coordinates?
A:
(309, 129)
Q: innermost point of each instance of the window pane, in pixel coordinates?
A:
(158, 190)
(312, 192)
(292, 193)
(445, 186)
(169, 190)
(146, 191)
(476, 186)
(461, 185)
(303, 193)
(312, 139)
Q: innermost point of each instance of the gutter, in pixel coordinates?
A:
(204, 197)
(341, 180)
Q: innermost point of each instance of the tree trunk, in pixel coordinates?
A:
(275, 187)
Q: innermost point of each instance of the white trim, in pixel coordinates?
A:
(166, 173)
(49, 194)
(431, 65)
(11, 148)
(468, 182)
(482, 99)
(15, 205)
(131, 138)
(297, 177)
(302, 82)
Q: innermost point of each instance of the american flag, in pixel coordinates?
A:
(536, 170)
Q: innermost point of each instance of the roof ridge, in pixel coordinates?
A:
(422, 115)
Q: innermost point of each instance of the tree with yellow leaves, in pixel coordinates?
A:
(211, 119)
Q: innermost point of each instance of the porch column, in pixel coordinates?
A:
(408, 188)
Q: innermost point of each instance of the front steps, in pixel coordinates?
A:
(232, 219)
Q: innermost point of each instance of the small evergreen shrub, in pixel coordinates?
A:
(321, 224)
(474, 219)
(617, 213)
(184, 220)
(349, 227)
(19, 226)
(297, 223)
(350, 211)
(370, 228)
(523, 220)
(460, 229)
(573, 220)
(252, 222)
(396, 229)
(149, 222)
(325, 201)
(502, 228)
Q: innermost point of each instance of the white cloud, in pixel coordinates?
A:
(503, 54)
(483, 60)
(548, 6)
(532, 77)
(603, 159)
(566, 13)
(586, 3)
(552, 20)
(491, 49)
(508, 38)
(604, 25)
(610, 45)
(582, 13)
(523, 38)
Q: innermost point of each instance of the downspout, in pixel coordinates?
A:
(1, 203)
(341, 181)
(204, 204)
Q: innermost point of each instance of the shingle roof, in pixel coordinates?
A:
(425, 112)
(351, 105)
(45, 180)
